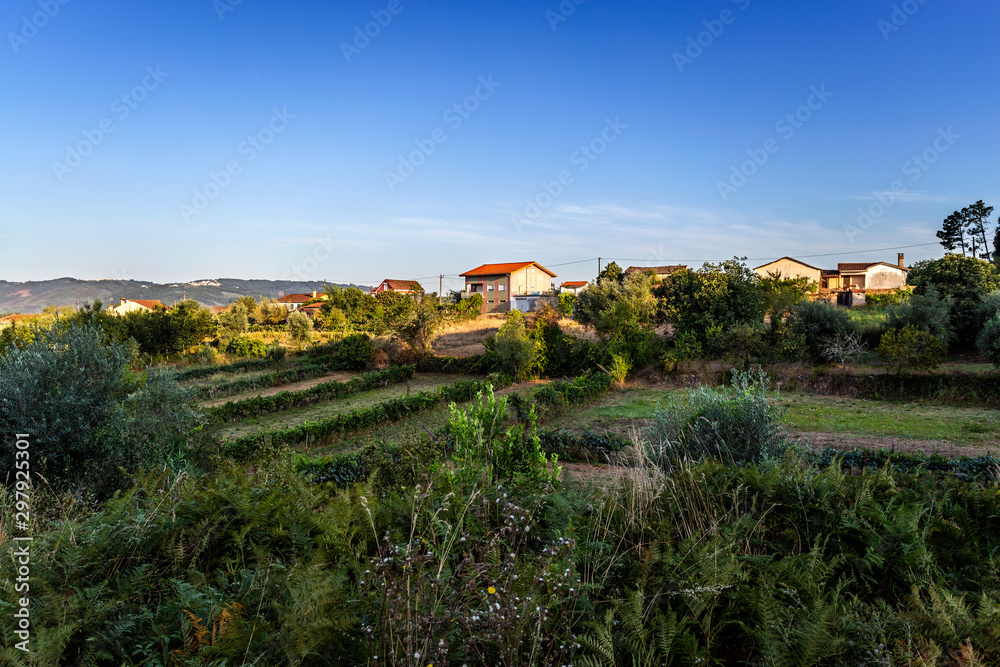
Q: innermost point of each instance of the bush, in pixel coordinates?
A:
(989, 340)
(926, 311)
(910, 348)
(738, 424)
(566, 301)
(513, 351)
(356, 352)
(893, 298)
(820, 321)
(87, 416)
(299, 327)
(242, 346)
(966, 280)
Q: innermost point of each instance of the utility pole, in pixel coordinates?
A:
(598, 266)
(440, 286)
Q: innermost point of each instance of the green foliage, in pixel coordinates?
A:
(299, 327)
(514, 352)
(87, 416)
(739, 423)
(355, 352)
(587, 447)
(487, 451)
(708, 302)
(818, 322)
(781, 295)
(620, 367)
(252, 446)
(926, 311)
(612, 273)
(419, 324)
(244, 346)
(235, 320)
(910, 347)
(617, 309)
(566, 301)
(989, 340)
(261, 405)
(162, 331)
(965, 280)
(894, 298)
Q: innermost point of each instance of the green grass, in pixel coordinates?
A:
(318, 411)
(834, 414)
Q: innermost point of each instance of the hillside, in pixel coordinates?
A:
(32, 297)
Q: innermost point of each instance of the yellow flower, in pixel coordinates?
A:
(491, 590)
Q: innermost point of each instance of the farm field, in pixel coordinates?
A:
(420, 383)
(334, 376)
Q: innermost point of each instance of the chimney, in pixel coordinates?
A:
(902, 264)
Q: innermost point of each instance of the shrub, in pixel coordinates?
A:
(893, 298)
(820, 321)
(739, 424)
(686, 348)
(566, 301)
(844, 347)
(87, 416)
(927, 311)
(242, 346)
(910, 348)
(299, 327)
(356, 352)
(514, 352)
(989, 340)
(621, 366)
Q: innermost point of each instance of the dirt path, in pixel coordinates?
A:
(339, 376)
(847, 441)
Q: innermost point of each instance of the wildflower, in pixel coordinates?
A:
(491, 590)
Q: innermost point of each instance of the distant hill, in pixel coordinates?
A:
(32, 297)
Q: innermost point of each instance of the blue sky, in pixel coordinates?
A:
(246, 140)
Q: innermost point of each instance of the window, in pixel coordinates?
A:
(489, 288)
(503, 287)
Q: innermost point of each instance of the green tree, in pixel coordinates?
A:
(418, 324)
(299, 327)
(910, 348)
(976, 220)
(966, 280)
(86, 414)
(781, 295)
(988, 341)
(515, 353)
(952, 233)
(617, 309)
(235, 320)
(710, 301)
(819, 321)
(927, 311)
(611, 272)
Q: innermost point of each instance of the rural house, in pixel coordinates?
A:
(133, 305)
(574, 286)
(401, 286)
(500, 283)
(790, 268)
(295, 301)
(866, 276)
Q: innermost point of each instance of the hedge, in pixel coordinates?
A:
(986, 467)
(236, 367)
(393, 410)
(286, 376)
(262, 405)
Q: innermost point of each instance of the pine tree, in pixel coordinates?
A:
(952, 233)
(976, 218)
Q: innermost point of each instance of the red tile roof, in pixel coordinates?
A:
(403, 285)
(16, 318)
(574, 283)
(296, 298)
(504, 269)
(145, 303)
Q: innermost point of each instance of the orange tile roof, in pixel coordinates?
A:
(574, 283)
(146, 303)
(296, 298)
(17, 317)
(504, 269)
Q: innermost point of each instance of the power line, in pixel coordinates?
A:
(762, 259)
